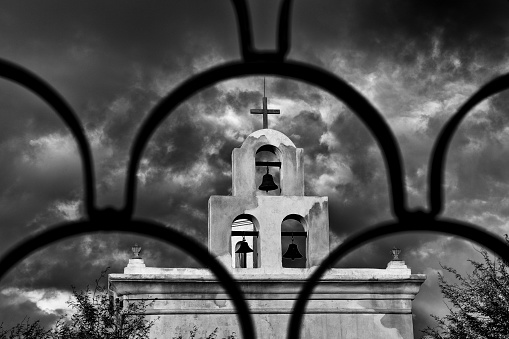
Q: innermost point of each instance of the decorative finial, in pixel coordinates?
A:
(395, 254)
(136, 251)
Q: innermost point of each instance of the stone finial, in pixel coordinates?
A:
(136, 251)
(136, 264)
(395, 254)
(396, 262)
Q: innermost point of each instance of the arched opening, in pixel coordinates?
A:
(268, 159)
(293, 227)
(245, 227)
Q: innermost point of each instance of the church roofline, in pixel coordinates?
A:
(272, 136)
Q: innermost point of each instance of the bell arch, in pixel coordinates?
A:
(290, 159)
(268, 161)
(294, 231)
(245, 229)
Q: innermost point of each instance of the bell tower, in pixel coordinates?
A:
(258, 233)
(267, 214)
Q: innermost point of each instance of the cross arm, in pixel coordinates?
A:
(262, 111)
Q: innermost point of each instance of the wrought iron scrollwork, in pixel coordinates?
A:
(257, 63)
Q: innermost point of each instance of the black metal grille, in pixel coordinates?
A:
(257, 63)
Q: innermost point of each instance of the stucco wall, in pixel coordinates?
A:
(269, 211)
(243, 163)
(348, 303)
(274, 326)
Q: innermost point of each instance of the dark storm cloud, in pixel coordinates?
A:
(242, 102)
(140, 32)
(15, 312)
(182, 139)
(292, 90)
(95, 58)
(305, 129)
(480, 150)
(361, 201)
(428, 44)
(189, 159)
(399, 29)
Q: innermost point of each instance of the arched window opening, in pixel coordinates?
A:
(267, 159)
(244, 227)
(293, 225)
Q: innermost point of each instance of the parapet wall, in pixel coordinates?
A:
(348, 303)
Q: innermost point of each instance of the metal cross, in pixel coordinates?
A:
(264, 110)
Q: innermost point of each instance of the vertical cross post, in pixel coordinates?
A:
(265, 111)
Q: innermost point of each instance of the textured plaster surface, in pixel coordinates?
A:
(347, 303)
(243, 164)
(275, 326)
(269, 212)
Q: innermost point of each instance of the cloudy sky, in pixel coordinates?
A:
(416, 61)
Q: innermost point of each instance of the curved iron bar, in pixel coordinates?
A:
(244, 26)
(107, 222)
(258, 63)
(283, 43)
(418, 222)
(48, 94)
(438, 155)
(299, 71)
(248, 51)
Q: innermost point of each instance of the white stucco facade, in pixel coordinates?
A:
(348, 303)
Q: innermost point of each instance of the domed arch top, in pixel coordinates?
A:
(266, 136)
(291, 163)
